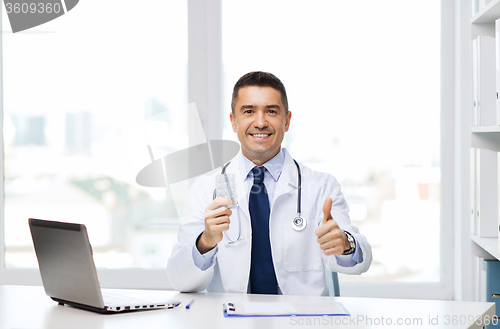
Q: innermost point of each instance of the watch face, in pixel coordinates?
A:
(352, 244)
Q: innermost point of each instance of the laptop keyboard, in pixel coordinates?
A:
(112, 299)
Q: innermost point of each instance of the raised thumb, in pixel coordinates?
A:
(327, 206)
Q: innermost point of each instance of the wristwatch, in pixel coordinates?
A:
(352, 244)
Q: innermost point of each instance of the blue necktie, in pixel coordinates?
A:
(262, 275)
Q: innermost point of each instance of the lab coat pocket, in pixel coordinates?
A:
(301, 250)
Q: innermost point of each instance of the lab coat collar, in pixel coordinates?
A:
(287, 175)
(274, 166)
(288, 179)
(290, 170)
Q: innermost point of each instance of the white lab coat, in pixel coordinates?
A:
(298, 259)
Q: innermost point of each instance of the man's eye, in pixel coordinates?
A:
(248, 111)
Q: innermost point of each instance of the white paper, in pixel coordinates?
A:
(268, 308)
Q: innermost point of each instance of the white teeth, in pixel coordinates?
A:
(261, 135)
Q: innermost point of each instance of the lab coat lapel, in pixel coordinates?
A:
(288, 179)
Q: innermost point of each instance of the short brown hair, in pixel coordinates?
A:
(260, 79)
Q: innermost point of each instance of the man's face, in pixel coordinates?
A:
(260, 121)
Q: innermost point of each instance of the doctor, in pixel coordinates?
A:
(255, 246)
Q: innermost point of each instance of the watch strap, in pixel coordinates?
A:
(352, 244)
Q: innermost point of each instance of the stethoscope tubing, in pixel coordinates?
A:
(298, 222)
(299, 192)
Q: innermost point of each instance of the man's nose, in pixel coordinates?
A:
(260, 120)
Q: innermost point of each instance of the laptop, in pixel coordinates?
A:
(69, 274)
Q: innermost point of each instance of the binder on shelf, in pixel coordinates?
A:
(497, 69)
(475, 77)
(483, 3)
(484, 81)
(480, 291)
(478, 5)
(475, 7)
(486, 193)
(473, 216)
(492, 269)
(498, 199)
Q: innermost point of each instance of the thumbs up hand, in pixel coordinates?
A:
(332, 240)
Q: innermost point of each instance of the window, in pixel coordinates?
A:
(79, 93)
(362, 77)
(363, 84)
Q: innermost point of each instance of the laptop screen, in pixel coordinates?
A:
(65, 261)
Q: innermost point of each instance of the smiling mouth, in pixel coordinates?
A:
(260, 135)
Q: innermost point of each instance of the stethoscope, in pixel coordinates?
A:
(298, 223)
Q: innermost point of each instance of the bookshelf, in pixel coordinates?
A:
(490, 245)
(486, 130)
(488, 14)
(484, 136)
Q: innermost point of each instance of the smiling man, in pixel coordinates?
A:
(289, 222)
(260, 119)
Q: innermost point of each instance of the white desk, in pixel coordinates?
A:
(29, 307)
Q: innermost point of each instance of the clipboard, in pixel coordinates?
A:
(268, 309)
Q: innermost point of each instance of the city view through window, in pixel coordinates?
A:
(81, 106)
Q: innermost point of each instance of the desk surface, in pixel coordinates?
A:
(29, 307)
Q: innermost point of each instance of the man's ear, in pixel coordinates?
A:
(233, 121)
(287, 122)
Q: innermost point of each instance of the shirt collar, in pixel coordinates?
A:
(274, 165)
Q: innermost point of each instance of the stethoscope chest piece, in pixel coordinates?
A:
(298, 223)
